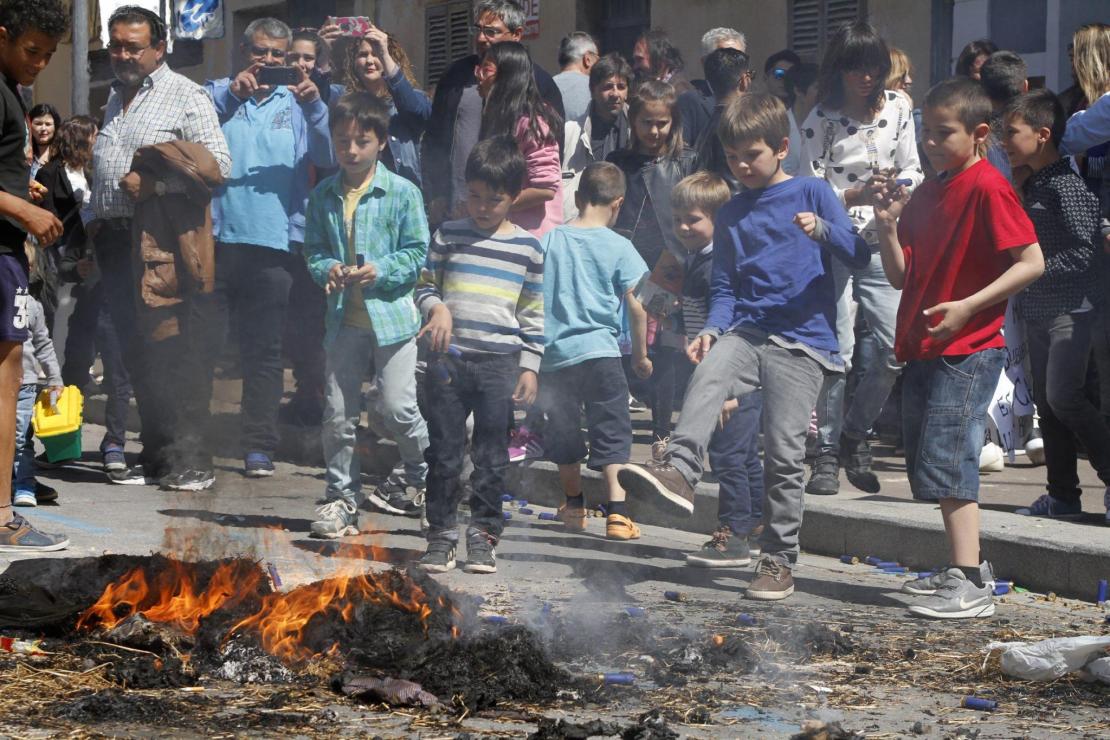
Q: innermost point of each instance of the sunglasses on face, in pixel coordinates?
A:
(261, 52)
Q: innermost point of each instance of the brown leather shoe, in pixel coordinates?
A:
(574, 520)
(618, 527)
(773, 581)
(659, 481)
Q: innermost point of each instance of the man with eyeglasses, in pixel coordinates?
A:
(150, 104)
(456, 119)
(276, 134)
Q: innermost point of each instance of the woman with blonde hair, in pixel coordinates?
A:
(1088, 131)
(377, 64)
(900, 77)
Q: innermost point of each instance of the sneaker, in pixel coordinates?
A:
(258, 465)
(19, 535)
(480, 554)
(391, 497)
(660, 481)
(336, 519)
(134, 476)
(773, 580)
(1034, 447)
(620, 527)
(439, 558)
(723, 550)
(189, 480)
(659, 449)
(24, 498)
(574, 520)
(45, 494)
(636, 406)
(991, 459)
(1052, 508)
(855, 454)
(956, 598)
(524, 445)
(824, 480)
(928, 585)
(113, 458)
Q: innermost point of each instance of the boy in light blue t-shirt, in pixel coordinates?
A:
(589, 269)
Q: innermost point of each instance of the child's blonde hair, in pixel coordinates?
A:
(900, 66)
(1092, 60)
(704, 191)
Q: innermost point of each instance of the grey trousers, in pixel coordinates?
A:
(791, 381)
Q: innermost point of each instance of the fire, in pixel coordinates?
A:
(282, 618)
(173, 597)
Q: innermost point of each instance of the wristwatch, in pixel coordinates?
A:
(159, 188)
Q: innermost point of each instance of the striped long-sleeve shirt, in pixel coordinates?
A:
(493, 287)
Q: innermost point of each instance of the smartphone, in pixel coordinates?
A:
(274, 76)
(351, 25)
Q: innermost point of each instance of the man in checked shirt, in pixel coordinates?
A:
(150, 104)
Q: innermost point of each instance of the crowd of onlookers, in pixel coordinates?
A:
(521, 260)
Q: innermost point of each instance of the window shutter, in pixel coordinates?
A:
(805, 28)
(813, 22)
(447, 29)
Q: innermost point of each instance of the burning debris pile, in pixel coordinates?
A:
(164, 623)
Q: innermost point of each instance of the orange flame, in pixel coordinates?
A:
(282, 618)
(173, 597)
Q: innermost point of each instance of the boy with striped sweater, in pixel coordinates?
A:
(481, 294)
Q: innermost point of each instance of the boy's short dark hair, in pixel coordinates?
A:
(498, 163)
(610, 65)
(752, 117)
(965, 97)
(366, 110)
(704, 191)
(601, 184)
(47, 16)
(1003, 76)
(1040, 109)
(724, 68)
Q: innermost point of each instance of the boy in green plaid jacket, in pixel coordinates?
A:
(366, 237)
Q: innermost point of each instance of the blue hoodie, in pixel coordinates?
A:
(274, 144)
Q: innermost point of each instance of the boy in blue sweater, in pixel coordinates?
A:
(771, 325)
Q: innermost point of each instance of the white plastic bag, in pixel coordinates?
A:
(1049, 659)
(1099, 669)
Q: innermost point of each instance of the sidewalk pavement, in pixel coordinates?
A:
(1066, 558)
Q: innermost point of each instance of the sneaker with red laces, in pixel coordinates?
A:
(773, 580)
(723, 550)
(661, 482)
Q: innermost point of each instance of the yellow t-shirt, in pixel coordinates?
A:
(354, 313)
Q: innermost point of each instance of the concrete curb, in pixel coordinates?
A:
(1067, 559)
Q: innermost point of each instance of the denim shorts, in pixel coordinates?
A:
(944, 422)
(598, 386)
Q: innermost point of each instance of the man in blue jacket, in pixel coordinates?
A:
(276, 134)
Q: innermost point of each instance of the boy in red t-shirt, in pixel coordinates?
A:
(963, 246)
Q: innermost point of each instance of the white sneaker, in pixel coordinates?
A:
(1034, 447)
(957, 598)
(991, 459)
(336, 519)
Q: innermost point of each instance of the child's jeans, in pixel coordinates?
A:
(23, 472)
(1058, 352)
(455, 388)
(734, 458)
(944, 422)
(790, 380)
(348, 358)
